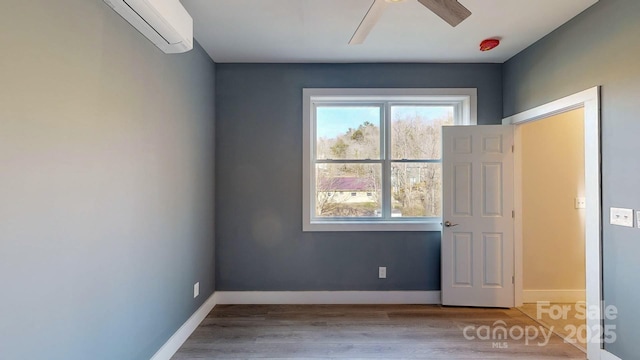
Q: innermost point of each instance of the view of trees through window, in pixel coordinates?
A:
(352, 156)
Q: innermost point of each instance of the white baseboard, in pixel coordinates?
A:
(327, 297)
(176, 340)
(557, 296)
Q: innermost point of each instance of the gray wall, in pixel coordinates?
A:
(599, 47)
(106, 160)
(260, 243)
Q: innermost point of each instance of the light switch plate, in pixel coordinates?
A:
(621, 217)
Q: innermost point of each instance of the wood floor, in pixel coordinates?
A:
(564, 326)
(365, 332)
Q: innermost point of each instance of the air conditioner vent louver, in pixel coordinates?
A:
(142, 19)
(166, 23)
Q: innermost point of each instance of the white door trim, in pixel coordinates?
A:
(590, 100)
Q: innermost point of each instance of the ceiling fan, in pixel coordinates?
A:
(450, 11)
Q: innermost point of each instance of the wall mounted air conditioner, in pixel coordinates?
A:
(165, 22)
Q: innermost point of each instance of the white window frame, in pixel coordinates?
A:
(465, 98)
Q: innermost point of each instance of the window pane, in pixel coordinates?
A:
(416, 189)
(348, 190)
(415, 130)
(348, 132)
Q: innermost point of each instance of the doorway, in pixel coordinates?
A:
(590, 101)
(553, 226)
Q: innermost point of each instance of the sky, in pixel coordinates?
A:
(336, 120)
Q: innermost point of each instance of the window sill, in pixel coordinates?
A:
(372, 226)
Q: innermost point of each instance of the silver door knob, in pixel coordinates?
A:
(449, 224)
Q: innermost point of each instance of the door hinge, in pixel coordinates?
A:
(513, 279)
(513, 214)
(513, 148)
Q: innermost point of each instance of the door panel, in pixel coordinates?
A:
(477, 246)
(492, 245)
(463, 263)
(492, 188)
(462, 196)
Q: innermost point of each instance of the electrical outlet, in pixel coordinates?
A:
(581, 203)
(196, 289)
(621, 217)
(382, 272)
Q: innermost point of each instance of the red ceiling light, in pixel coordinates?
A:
(489, 44)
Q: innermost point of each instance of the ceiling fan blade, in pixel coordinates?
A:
(368, 22)
(450, 11)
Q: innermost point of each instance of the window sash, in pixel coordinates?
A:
(386, 202)
(385, 161)
(464, 103)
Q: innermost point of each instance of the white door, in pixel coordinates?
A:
(477, 231)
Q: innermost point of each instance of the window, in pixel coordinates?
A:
(383, 148)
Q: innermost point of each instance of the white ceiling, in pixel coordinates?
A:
(280, 31)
